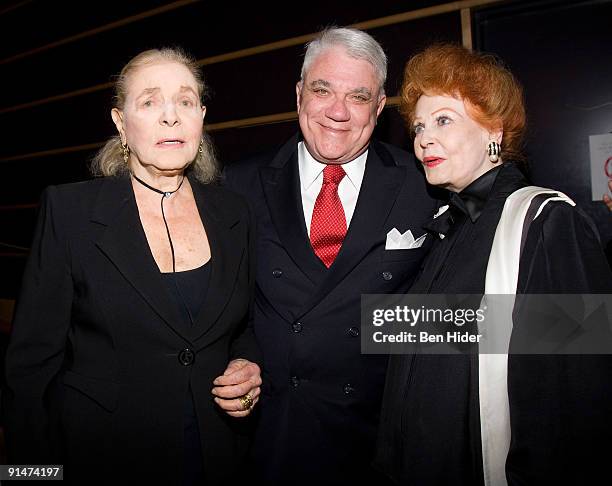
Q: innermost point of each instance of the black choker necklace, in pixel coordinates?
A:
(165, 195)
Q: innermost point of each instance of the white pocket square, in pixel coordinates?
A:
(405, 241)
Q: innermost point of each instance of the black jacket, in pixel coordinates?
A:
(321, 396)
(100, 362)
(560, 405)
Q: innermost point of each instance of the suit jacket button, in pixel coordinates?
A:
(353, 331)
(295, 381)
(348, 389)
(277, 273)
(297, 327)
(186, 357)
(387, 275)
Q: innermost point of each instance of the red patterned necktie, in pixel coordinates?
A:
(328, 224)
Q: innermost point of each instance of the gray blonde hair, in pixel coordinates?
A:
(109, 159)
(358, 45)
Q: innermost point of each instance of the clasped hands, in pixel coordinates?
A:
(237, 390)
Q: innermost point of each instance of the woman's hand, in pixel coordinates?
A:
(240, 380)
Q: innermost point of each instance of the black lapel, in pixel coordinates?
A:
(381, 184)
(125, 244)
(281, 185)
(227, 251)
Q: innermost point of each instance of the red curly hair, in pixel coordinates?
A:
(492, 96)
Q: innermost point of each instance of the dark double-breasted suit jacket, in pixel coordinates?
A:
(101, 360)
(321, 397)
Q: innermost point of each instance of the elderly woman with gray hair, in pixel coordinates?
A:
(131, 351)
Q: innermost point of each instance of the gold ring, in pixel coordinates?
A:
(246, 401)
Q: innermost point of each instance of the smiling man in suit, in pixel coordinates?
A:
(325, 203)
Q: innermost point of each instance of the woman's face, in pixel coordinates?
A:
(162, 118)
(451, 146)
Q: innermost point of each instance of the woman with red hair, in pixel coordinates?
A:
(469, 419)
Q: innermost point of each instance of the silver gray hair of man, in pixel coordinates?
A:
(358, 44)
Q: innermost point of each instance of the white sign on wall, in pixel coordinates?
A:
(600, 147)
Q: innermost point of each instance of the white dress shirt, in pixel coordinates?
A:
(311, 181)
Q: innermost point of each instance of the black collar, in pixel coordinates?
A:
(493, 186)
(473, 198)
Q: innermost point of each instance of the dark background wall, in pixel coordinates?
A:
(57, 60)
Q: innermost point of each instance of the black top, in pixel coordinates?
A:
(559, 405)
(188, 290)
(458, 262)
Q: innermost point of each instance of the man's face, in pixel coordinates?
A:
(338, 103)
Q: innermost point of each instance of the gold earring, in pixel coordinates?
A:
(126, 152)
(201, 147)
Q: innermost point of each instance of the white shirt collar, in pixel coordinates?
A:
(311, 168)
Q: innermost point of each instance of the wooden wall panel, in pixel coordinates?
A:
(244, 87)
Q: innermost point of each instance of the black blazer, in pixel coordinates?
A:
(321, 396)
(99, 363)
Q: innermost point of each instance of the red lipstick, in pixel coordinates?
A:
(432, 161)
